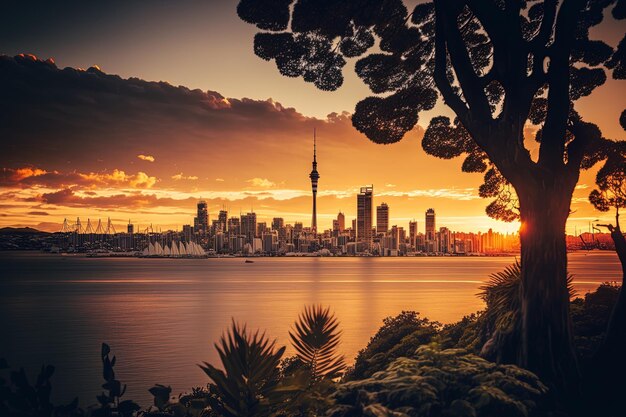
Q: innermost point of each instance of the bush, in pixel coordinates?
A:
(398, 336)
(436, 382)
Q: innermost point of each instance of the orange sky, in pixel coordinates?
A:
(131, 156)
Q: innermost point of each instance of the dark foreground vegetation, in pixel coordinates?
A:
(411, 367)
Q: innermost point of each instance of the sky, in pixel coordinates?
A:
(135, 110)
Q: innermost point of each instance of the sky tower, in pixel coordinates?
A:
(314, 175)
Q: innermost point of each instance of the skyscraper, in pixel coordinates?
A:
(314, 175)
(248, 226)
(382, 218)
(430, 225)
(277, 223)
(413, 233)
(341, 221)
(223, 220)
(364, 215)
(201, 222)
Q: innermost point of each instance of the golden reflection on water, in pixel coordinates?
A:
(162, 316)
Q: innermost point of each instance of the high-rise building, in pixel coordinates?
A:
(234, 226)
(277, 223)
(382, 218)
(201, 222)
(430, 238)
(413, 233)
(341, 221)
(364, 215)
(130, 228)
(430, 224)
(248, 227)
(315, 176)
(223, 220)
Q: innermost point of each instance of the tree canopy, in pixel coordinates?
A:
(500, 65)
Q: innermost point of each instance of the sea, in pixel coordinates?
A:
(161, 317)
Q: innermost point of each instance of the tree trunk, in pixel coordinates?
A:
(605, 379)
(615, 340)
(546, 346)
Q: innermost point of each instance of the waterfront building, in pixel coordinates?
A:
(201, 222)
(382, 219)
(277, 223)
(222, 218)
(248, 227)
(364, 216)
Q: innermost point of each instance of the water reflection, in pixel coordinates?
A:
(162, 316)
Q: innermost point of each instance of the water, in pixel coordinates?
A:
(162, 316)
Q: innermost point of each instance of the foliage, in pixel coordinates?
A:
(611, 181)
(19, 398)
(436, 382)
(315, 340)
(250, 375)
(590, 316)
(110, 401)
(405, 331)
(194, 404)
(464, 334)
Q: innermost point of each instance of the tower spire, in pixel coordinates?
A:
(314, 176)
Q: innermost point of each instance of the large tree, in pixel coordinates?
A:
(500, 66)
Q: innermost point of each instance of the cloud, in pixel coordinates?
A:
(180, 176)
(59, 115)
(38, 213)
(261, 182)
(33, 177)
(148, 158)
(219, 179)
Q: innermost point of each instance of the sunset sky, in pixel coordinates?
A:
(148, 106)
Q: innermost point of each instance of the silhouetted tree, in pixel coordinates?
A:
(611, 194)
(500, 65)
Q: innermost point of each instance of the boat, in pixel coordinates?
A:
(248, 261)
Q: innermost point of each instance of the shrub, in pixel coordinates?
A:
(398, 336)
(436, 382)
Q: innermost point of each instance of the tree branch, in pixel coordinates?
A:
(553, 138)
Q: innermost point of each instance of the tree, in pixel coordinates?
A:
(499, 65)
(611, 193)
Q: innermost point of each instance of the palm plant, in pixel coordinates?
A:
(315, 340)
(501, 318)
(250, 375)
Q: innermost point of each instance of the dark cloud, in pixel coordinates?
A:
(55, 117)
(37, 213)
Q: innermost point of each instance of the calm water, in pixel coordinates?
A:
(161, 316)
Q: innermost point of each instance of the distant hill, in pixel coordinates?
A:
(21, 231)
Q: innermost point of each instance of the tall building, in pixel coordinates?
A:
(430, 224)
(413, 233)
(364, 215)
(223, 220)
(201, 222)
(314, 175)
(248, 227)
(341, 221)
(278, 223)
(382, 218)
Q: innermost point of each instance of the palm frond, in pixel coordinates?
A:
(316, 339)
(502, 295)
(250, 362)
